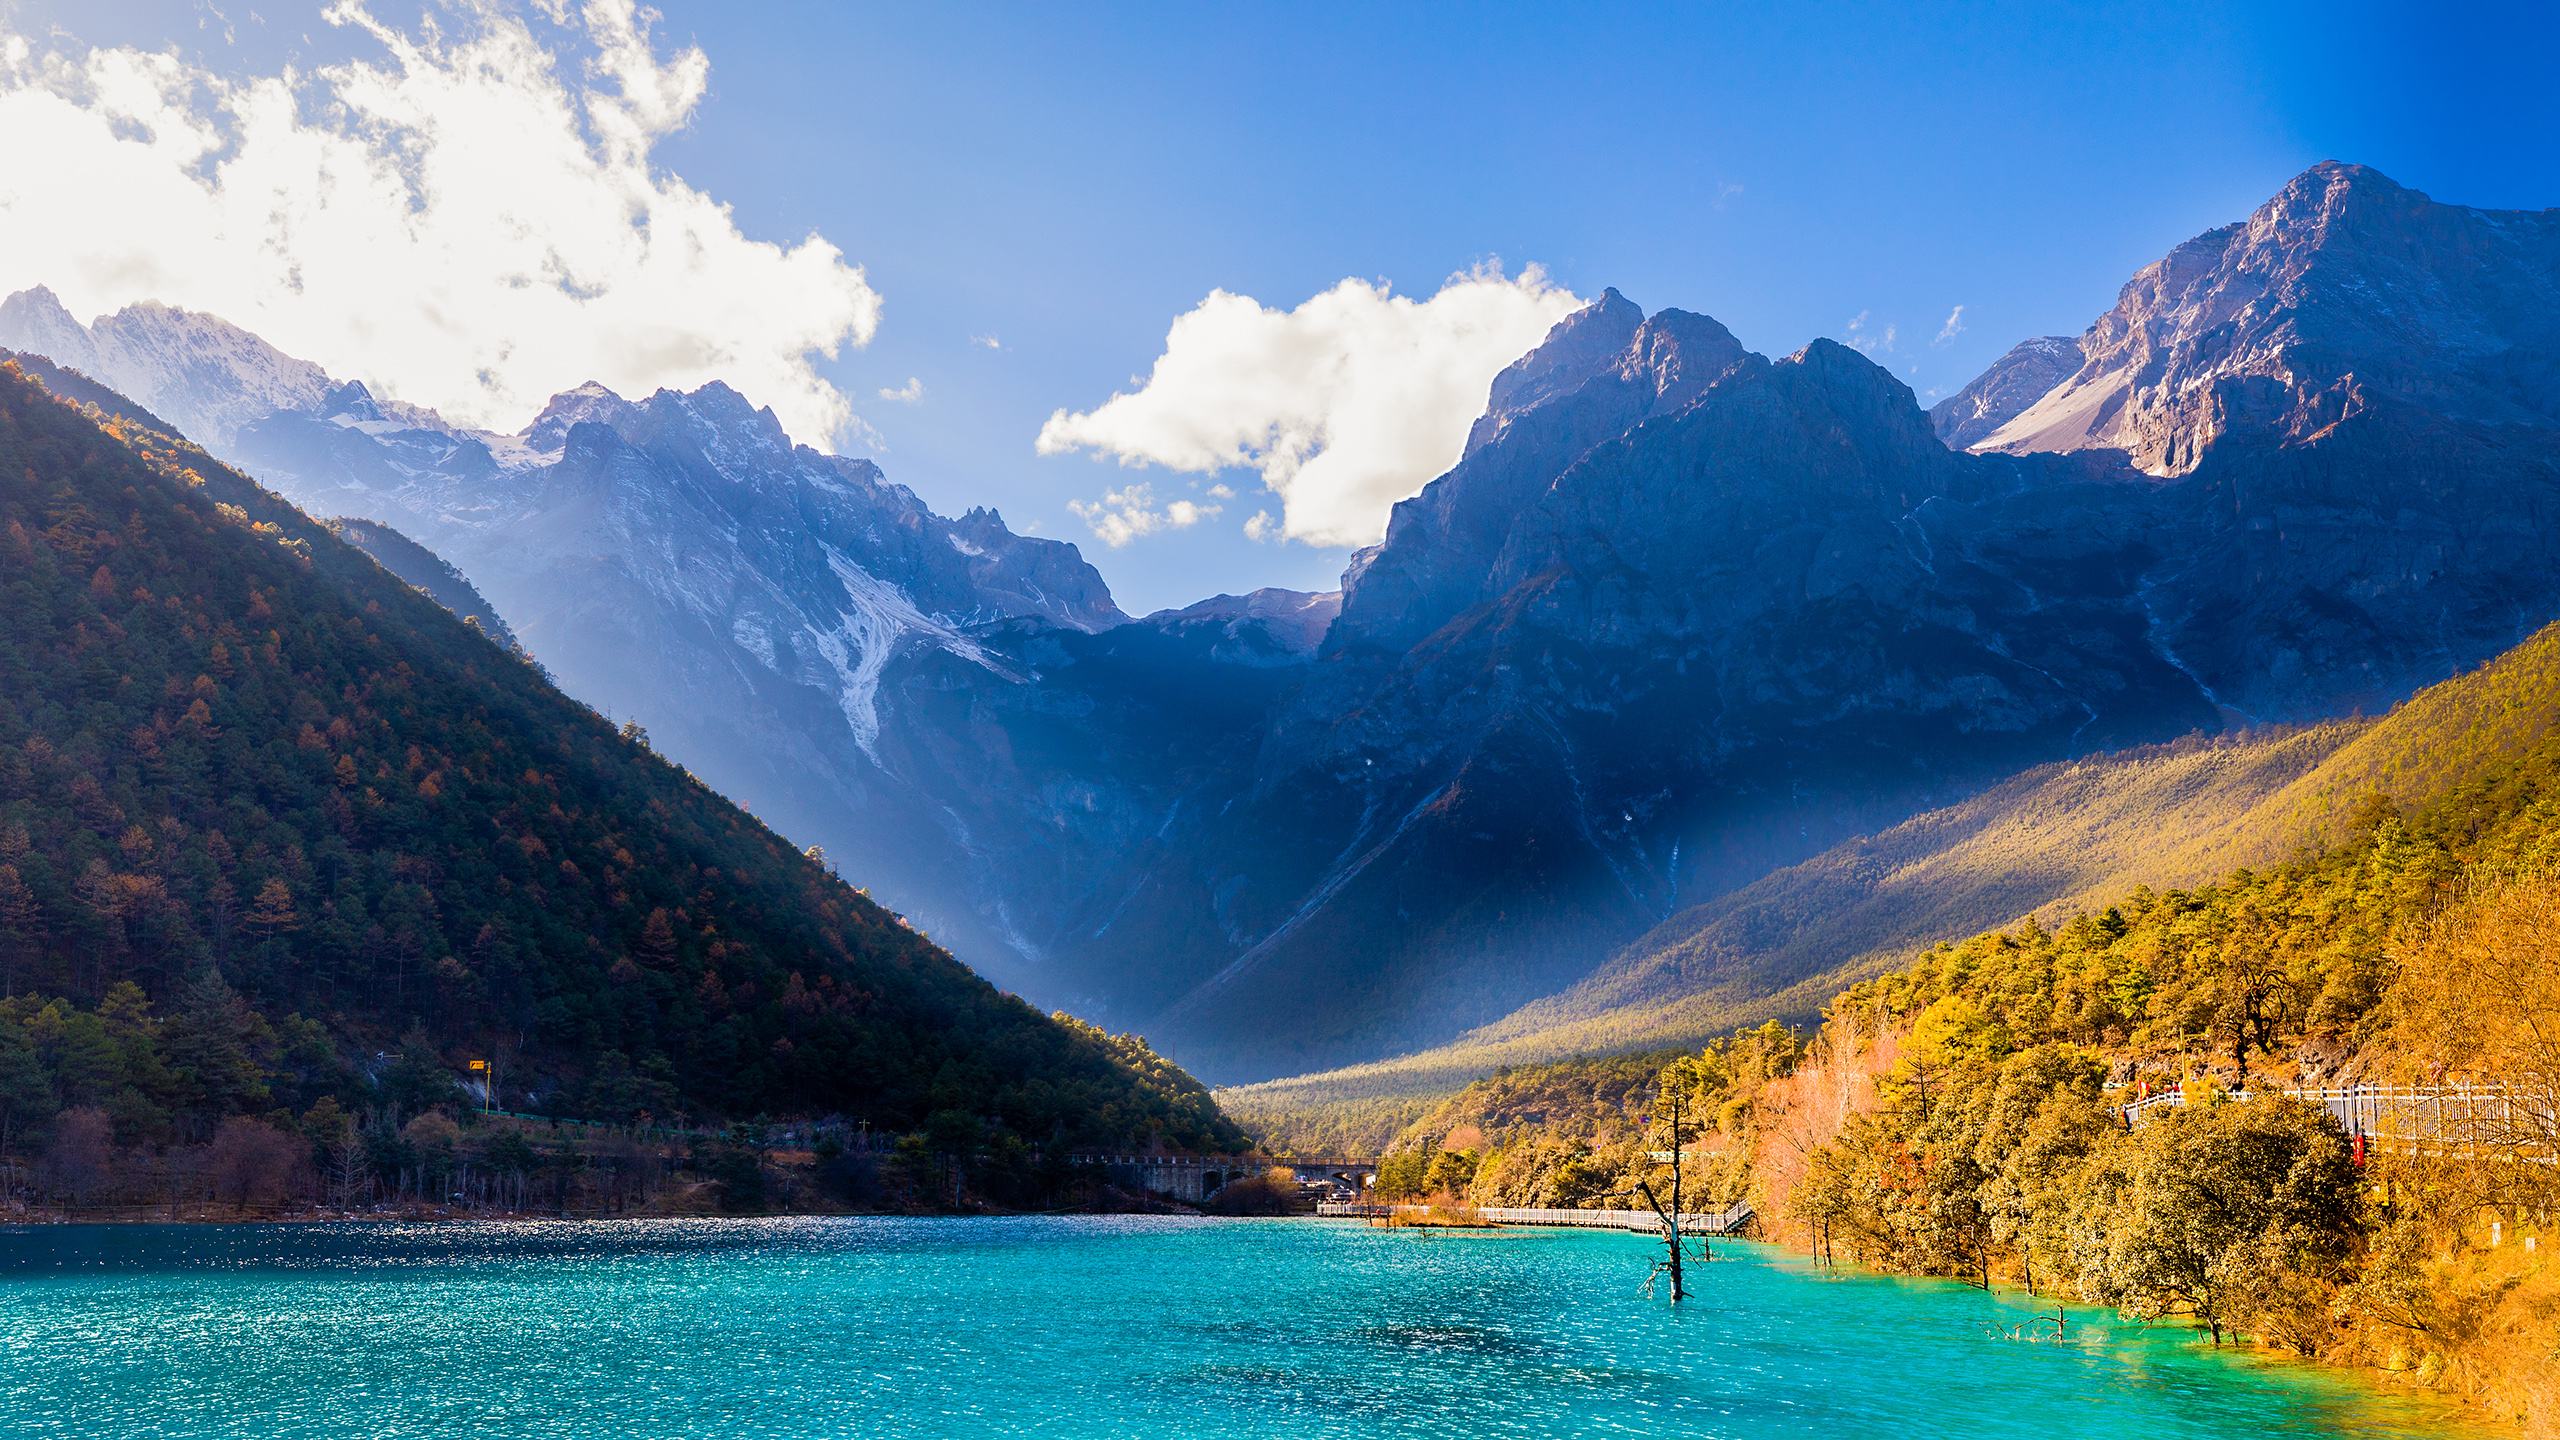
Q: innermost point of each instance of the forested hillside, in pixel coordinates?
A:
(268, 814)
(1961, 1115)
(428, 571)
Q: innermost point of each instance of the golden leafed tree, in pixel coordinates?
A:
(2479, 1001)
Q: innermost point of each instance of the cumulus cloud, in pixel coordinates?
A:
(986, 342)
(1953, 327)
(1261, 528)
(1346, 405)
(910, 393)
(1121, 516)
(469, 216)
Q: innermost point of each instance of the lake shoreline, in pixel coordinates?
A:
(1106, 1326)
(2400, 1384)
(213, 1215)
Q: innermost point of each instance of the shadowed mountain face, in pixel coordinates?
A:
(1752, 616)
(1680, 615)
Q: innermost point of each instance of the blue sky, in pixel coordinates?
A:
(1069, 179)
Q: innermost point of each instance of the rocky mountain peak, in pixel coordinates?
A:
(1295, 619)
(1679, 350)
(1835, 362)
(1602, 371)
(592, 403)
(2328, 193)
(35, 320)
(1859, 391)
(2341, 291)
(352, 401)
(724, 415)
(35, 300)
(2018, 379)
(206, 374)
(1583, 344)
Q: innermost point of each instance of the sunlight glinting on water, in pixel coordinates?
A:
(1066, 1327)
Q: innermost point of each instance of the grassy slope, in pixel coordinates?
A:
(2050, 842)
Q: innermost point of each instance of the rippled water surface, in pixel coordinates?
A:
(1065, 1327)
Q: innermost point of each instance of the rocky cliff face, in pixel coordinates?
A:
(2343, 293)
(1603, 372)
(2014, 382)
(2360, 391)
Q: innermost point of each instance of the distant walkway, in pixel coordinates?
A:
(1726, 1221)
(1195, 1178)
(2451, 1116)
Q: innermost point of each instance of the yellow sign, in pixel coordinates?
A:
(479, 1064)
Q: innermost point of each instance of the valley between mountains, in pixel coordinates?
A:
(1704, 682)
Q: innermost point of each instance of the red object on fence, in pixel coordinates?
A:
(2359, 1149)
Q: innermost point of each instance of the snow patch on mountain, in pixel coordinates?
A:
(869, 632)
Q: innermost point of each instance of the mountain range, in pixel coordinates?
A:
(1680, 617)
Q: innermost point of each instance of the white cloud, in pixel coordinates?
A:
(987, 342)
(1346, 405)
(1260, 528)
(910, 393)
(1869, 341)
(1121, 516)
(1222, 492)
(470, 219)
(1953, 327)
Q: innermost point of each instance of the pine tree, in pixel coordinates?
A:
(25, 1094)
(21, 925)
(272, 913)
(219, 1049)
(657, 947)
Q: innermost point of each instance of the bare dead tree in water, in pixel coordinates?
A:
(1675, 1244)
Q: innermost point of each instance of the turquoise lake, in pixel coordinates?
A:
(1064, 1327)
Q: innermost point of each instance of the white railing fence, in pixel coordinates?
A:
(2487, 1116)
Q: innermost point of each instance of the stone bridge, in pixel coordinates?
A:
(1194, 1178)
